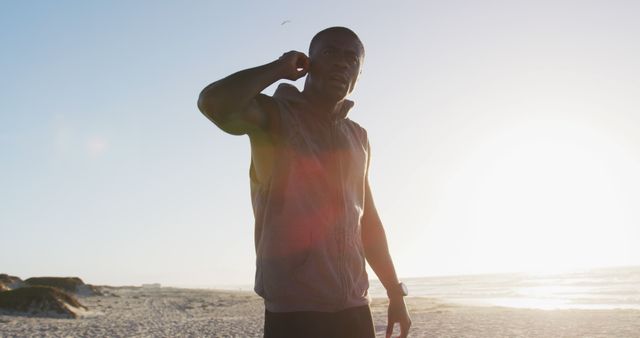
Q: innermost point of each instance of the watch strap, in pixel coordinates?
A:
(398, 290)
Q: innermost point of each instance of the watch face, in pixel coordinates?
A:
(405, 291)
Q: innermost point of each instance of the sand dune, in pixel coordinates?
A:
(169, 312)
(44, 296)
(73, 285)
(40, 301)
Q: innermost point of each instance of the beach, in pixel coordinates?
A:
(176, 312)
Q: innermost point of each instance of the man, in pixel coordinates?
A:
(315, 220)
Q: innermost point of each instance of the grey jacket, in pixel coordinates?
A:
(308, 213)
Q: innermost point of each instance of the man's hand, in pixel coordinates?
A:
(398, 313)
(294, 65)
(232, 103)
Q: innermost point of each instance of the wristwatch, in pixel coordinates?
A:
(399, 290)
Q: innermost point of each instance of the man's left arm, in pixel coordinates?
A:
(377, 254)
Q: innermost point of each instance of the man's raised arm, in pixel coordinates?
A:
(234, 103)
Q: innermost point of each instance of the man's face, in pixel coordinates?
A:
(335, 65)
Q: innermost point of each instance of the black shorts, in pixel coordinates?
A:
(354, 322)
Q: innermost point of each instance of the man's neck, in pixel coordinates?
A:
(322, 107)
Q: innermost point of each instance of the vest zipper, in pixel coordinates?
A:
(342, 231)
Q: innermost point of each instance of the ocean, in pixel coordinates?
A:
(605, 288)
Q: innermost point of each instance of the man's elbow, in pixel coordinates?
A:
(209, 107)
(212, 110)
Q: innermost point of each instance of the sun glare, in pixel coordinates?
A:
(545, 196)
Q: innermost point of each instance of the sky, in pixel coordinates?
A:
(505, 134)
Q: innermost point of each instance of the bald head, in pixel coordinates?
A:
(335, 31)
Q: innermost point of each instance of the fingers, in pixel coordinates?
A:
(293, 57)
(302, 66)
(302, 62)
(404, 329)
(389, 329)
(291, 54)
(296, 65)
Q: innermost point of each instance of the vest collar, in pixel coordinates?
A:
(290, 93)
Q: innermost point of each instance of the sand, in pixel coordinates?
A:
(171, 312)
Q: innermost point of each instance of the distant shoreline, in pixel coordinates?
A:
(589, 289)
